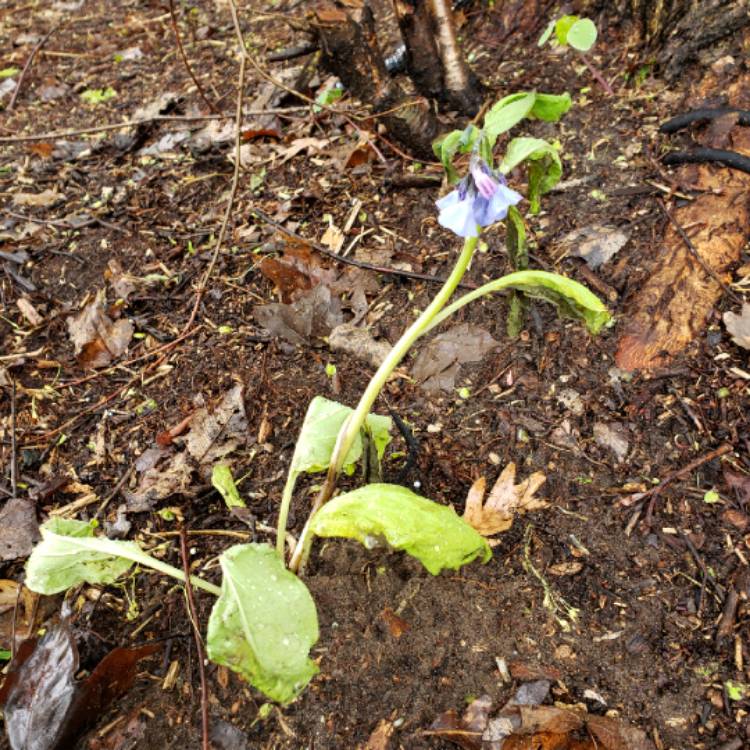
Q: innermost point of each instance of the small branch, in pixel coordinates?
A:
(26, 67)
(202, 93)
(192, 614)
(236, 174)
(352, 261)
(13, 446)
(292, 53)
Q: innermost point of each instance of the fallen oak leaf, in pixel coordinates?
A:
(505, 500)
(738, 326)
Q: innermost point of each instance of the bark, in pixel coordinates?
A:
(351, 51)
(677, 29)
(434, 59)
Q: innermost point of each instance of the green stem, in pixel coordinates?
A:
(142, 558)
(286, 501)
(350, 429)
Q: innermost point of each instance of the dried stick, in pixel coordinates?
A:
(26, 67)
(192, 614)
(235, 176)
(13, 446)
(352, 261)
(202, 93)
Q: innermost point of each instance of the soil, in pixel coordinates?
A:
(396, 644)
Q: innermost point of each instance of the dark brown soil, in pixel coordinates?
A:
(646, 637)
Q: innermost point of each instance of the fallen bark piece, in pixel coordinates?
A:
(739, 326)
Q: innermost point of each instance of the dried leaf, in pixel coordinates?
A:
(29, 311)
(20, 529)
(98, 340)
(437, 363)
(397, 626)
(298, 145)
(739, 326)
(505, 500)
(449, 727)
(613, 734)
(311, 316)
(38, 200)
(380, 739)
(359, 343)
(296, 271)
(738, 482)
(596, 244)
(212, 435)
(45, 708)
(614, 437)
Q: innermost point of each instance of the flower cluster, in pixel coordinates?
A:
(481, 199)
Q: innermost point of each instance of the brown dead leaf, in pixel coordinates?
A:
(42, 150)
(212, 435)
(16, 620)
(98, 340)
(38, 200)
(20, 530)
(615, 734)
(298, 145)
(505, 500)
(296, 271)
(397, 626)
(565, 569)
(739, 326)
(358, 342)
(380, 739)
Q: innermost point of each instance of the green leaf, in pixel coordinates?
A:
(9, 72)
(545, 167)
(582, 35)
(432, 533)
(736, 690)
(264, 622)
(223, 482)
(447, 146)
(546, 34)
(515, 240)
(98, 96)
(320, 429)
(506, 113)
(69, 554)
(551, 107)
(328, 97)
(562, 27)
(5, 654)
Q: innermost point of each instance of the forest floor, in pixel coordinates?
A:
(123, 223)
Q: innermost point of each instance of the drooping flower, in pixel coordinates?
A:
(481, 199)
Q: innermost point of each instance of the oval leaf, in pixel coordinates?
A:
(582, 35)
(551, 107)
(432, 533)
(70, 554)
(506, 113)
(320, 429)
(264, 623)
(545, 167)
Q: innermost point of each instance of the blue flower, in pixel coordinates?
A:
(481, 199)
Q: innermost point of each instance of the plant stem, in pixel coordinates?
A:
(286, 501)
(142, 558)
(597, 74)
(350, 429)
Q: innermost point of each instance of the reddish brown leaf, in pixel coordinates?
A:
(396, 625)
(613, 734)
(254, 134)
(42, 149)
(380, 739)
(449, 727)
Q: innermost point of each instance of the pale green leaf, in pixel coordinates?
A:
(546, 34)
(582, 35)
(562, 27)
(98, 96)
(432, 533)
(264, 622)
(545, 167)
(320, 429)
(223, 482)
(506, 113)
(551, 107)
(9, 72)
(69, 554)
(457, 141)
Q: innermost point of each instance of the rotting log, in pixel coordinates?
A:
(351, 52)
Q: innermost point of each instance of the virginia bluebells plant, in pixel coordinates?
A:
(481, 199)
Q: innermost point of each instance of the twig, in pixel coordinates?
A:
(597, 74)
(351, 261)
(202, 93)
(66, 223)
(26, 67)
(292, 53)
(50, 136)
(192, 614)
(235, 176)
(694, 252)
(120, 484)
(13, 447)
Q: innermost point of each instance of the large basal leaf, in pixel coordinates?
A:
(432, 533)
(264, 623)
(70, 554)
(551, 107)
(320, 429)
(545, 167)
(572, 299)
